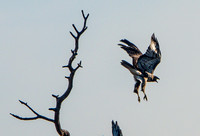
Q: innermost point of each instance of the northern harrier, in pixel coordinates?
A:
(143, 64)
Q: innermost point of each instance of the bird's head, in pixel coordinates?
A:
(155, 78)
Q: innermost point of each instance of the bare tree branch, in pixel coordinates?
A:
(116, 131)
(60, 99)
(72, 70)
(38, 116)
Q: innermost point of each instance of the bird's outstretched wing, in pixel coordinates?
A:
(131, 49)
(152, 57)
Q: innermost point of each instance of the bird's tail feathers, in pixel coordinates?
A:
(126, 64)
(130, 67)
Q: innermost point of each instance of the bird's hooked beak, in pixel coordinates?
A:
(157, 79)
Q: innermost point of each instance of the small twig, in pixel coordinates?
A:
(55, 96)
(72, 35)
(52, 109)
(67, 77)
(24, 118)
(78, 66)
(75, 28)
(65, 66)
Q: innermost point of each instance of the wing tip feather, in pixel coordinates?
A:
(153, 38)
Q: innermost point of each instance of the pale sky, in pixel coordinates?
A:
(35, 44)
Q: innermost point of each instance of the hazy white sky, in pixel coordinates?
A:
(35, 44)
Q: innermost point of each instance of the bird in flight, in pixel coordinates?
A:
(143, 64)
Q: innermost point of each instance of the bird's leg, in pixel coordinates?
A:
(137, 85)
(143, 88)
(137, 95)
(138, 98)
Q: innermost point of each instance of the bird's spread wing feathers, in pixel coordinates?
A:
(131, 49)
(152, 57)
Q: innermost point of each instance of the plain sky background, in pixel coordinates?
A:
(35, 44)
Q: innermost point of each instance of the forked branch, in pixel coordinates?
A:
(38, 116)
(60, 99)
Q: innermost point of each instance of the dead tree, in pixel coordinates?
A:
(60, 99)
(116, 131)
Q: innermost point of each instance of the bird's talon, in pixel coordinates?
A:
(138, 99)
(145, 98)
